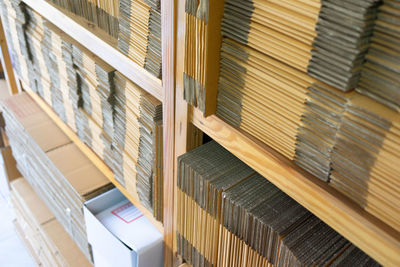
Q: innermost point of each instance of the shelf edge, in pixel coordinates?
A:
(96, 45)
(92, 156)
(361, 228)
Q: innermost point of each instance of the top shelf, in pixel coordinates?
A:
(361, 228)
(84, 33)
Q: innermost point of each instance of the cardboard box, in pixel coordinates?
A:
(34, 120)
(119, 233)
(46, 236)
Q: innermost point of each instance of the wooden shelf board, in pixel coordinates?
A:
(99, 163)
(88, 35)
(371, 235)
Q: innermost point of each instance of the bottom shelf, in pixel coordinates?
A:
(367, 232)
(99, 163)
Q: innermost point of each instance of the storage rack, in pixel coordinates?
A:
(182, 130)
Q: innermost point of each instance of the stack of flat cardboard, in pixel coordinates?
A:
(381, 73)
(317, 132)
(13, 21)
(139, 36)
(95, 94)
(102, 13)
(57, 47)
(57, 170)
(137, 143)
(49, 241)
(228, 215)
(273, 52)
(123, 126)
(365, 158)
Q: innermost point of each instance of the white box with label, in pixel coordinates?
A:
(119, 233)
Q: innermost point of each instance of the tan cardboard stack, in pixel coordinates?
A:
(56, 169)
(139, 35)
(102, 13)
(228, 215)
(137, 143)
(13, 20)
(365, 158)
(273, 52)
(96, 87)
(381, 73)
(291, 74)
(122, 125)
(49, 241)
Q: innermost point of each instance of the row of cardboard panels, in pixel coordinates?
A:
(228, 215)
(116, 118)
(317, 81)
(132, 27)
(69, 212)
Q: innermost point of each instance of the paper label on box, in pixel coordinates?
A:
(127, 213)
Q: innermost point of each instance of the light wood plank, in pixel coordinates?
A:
(87, 35)
(6, 62)
(168, 33)
(181, 107)
(99, 163)
(364, 230)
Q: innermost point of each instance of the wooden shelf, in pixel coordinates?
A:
(99, 163)
(364, 230)
(86, 35)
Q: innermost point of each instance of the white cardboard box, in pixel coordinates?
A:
(119, 233)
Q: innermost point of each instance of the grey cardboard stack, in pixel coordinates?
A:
(137, 143)
(381, 73)
(228, 215)
(95, 105)
(42, 63)
(274, 52)
(102, 13)
(317, 132)
(56, 169)
(122, 126)
(49, 241)
(344, 29)
(13, 21)
(139, 35)
(365, 158)
(56, 47)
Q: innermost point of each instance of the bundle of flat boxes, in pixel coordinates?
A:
(65, 179)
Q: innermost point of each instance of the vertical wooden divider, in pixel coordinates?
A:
(168, 35)
(187, 136)
(7, 63)
(181, 107)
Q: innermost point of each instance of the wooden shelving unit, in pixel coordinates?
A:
(181, 129)
(364, 230)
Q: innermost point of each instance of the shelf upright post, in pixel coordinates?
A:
(7, 63)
